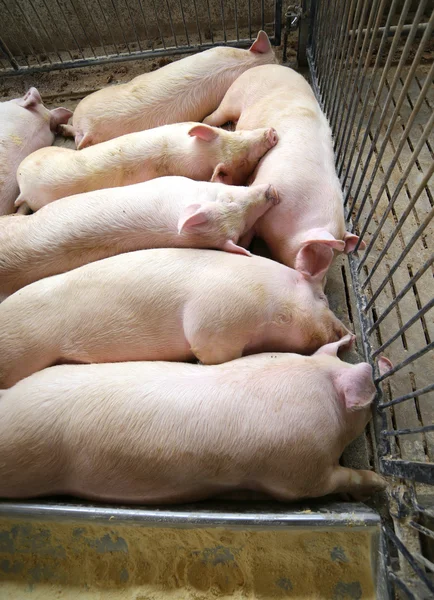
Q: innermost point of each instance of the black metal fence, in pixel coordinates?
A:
(372, 66)
(40, 35)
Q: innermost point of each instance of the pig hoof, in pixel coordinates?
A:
(272, 137)
(272, 195)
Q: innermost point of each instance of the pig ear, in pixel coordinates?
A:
(231, 246)
(59, 116)
(356, 385)
(351, 240)
(204, 132)
(30, 99)
(384, 365)
(192, 216)
(333, 348)
(313, 260)
(222, 175)
(262, 44)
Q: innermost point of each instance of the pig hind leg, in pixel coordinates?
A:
(359, 484)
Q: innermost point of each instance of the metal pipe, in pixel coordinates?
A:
(391, 30)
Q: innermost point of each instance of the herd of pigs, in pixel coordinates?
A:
(132, 250)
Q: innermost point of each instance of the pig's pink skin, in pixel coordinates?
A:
(163, 304)
(192, 150)
(167, 212)
(185, 90)
(155, 432)
(25, 126)
(308, 225)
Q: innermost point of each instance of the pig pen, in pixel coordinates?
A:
(371, 66)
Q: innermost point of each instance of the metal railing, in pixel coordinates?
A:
(372, 69)
(41, 35)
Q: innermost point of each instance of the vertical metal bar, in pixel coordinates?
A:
(101, 41)
(385, 105)
(365, 102)
(349, 73)
(46, 33)
(210, 22)
(83, 29)
(158, 24)
(59, 32)
(222, 9)
(249, 13)
(66, 20)
(145, 23)
(197, 23)
(321, 29)
(32, 29)
(171, 22)
(337, 46)
(391, 167)
(120, 26)
(328, 46)
(236, 19)
(359, 81)
(9, 55)
(337, 79)
(185, 25)
(133, 25)
(108, 26)
(277, 22)
(262, 14)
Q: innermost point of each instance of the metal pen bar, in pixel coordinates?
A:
(424, 561)
(408, 247)
(53, 45)
(405, 362)
(249, 16)
(355, 73)
(66, 20)
(423, 429)
(326, 36)
(145, 23)
(210, 21)
(409, 396)
(59, 31)
(404, 327)
(401, 294)
(262, 14)
(108, 26)
(337, 47)
(344, 54)
(358, 86)
(171, 22)
(197, 23)
(348, 68)
(406, 29)
(181, 6)
(365, 102)
(236, 19)
(9, 55)
(391, 167)
(398, 583)
(376, 104)
(422, 529)
(318, 24)
(91, 48)
(158, 25)
(133, 25)
(35, 54)
(222, 10)
(329, 51)
(120, 26)
(277, 22)
(101, 41)
(406, 554)
(384, 115)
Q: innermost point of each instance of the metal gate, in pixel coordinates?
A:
(41, 35)
(372, 67)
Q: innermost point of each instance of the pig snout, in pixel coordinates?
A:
(271, 138)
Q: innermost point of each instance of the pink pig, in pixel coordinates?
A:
(154, 432)
(25, 126)
(164, 304)
(163, 213)
(187, 149)
(185, 90)
(308, 225)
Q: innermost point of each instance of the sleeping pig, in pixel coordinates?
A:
(164, 304)
(309, 224)
(163, 433)
(185, 90)
(25, 126)
(189, 149)
(162, 213)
